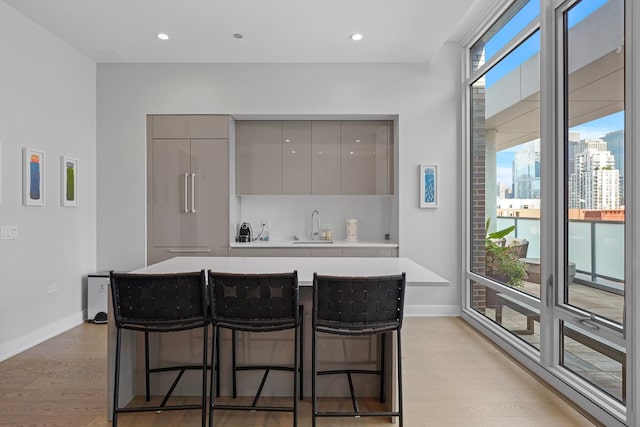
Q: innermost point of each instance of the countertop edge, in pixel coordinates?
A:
(335, 244)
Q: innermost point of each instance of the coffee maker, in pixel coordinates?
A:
(244, 233)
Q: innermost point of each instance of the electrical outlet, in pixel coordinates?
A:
(8, 232)
(52, 288)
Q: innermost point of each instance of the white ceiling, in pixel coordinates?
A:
(274, 30)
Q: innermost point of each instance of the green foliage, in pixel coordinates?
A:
(501, 262)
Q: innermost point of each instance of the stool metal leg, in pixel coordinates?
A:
(383, 340)
(301, 314)
(296, 373)
(399, 371)
(215, 353)
(204, 375)
(314, 410)
(146, 365)
(116, 383)
(233, 362)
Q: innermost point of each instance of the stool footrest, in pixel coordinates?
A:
(358, 414)
(177, 368)
(349, 371)
(264, 368)
(254, 408)
(159, 408)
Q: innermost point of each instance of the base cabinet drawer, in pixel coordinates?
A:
(370, 252)
(162, 254)
(258, 252)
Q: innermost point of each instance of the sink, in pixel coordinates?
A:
(312, 242)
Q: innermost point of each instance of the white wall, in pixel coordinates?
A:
(426, 97)
(47, 102)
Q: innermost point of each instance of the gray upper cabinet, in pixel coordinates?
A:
(188, 188)
(296, 157)
(325, 157)
(314, 157)
(365, 154)
(190, 126)
(259, 157)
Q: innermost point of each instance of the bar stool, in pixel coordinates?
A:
(357, 306)
(256, 303)
(160, 303)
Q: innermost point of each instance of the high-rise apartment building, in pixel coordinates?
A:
(526, 171)
(615, 144)
(594, 182)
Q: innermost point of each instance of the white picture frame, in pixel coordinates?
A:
(428, 186)
(33, 177)
(69, 181)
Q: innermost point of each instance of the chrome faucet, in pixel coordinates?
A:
(315, 225)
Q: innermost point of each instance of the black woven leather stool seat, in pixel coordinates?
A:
(160, 303)
(256, 303)
(357, 306)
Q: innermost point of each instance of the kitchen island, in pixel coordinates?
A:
(278, 347)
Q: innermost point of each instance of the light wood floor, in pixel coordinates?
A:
(453, 377)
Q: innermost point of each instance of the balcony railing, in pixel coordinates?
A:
(596, 248)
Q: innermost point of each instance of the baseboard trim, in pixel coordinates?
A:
(432, 310)
(33, 338)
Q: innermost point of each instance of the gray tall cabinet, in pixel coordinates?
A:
(187, 186)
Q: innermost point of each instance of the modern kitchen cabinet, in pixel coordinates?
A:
(258, 157)
(314, 157)
(365, 158)
(325, 157)
(188, 186)
(296, 157)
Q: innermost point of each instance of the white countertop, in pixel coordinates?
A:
(306, 266)
(311, 244)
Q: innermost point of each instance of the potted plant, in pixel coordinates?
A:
(501, 262)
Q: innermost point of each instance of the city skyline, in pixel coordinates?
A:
(595, 129)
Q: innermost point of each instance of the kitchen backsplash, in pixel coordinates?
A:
(291, 215)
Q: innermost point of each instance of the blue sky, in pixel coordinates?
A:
(531, 46)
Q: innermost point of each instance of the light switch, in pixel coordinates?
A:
(8, 232)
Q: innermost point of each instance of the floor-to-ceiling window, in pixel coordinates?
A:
(590, 141)
(505, 164)
(545, 254)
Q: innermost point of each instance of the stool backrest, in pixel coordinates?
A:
(358, 304)
(165, 301)
(258, 301)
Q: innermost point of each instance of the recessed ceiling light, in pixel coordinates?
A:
(238, 35)
(356, 36)
(162, 36)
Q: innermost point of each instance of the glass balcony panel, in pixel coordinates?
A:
(610, 250)
(580, 245)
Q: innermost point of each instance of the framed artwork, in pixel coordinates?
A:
(428, 186)
(32, 177)
(69, 181)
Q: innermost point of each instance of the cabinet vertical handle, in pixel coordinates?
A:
(186, 191)
(193, 193)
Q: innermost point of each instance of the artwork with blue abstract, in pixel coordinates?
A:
(33, 177)
(428, 186)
